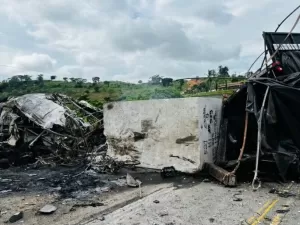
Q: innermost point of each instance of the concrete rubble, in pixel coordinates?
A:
(155, 134)
(17, 216)
(131, 182)
(48, 209)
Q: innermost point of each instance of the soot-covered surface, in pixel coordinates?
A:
(67, 182)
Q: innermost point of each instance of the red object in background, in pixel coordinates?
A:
(277, 67)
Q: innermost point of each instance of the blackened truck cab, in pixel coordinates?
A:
(283, 50)
(261, 120)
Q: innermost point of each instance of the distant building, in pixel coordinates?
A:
(194, 82)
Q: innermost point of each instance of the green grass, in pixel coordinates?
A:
(212, 93)
(112, 91)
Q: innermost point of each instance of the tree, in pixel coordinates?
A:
(201, 87)
(166, 81)
(78, 85)
(96, 89)
(96, 79)
(15, 81)
(72, 79)
(27, 78)
(79, 82)
(40, 79)
(181, 83)
(106, 83)
(212, 73)
(223, 71)
(208, 84)
(65, 79)
(3, 85)
(165, 93)
(156, 79)
(21, 77)
(140, 82)
(234, 78)
(53, 77)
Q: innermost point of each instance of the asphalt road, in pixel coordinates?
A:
(209, 203)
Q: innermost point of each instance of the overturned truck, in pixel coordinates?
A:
(261, 121)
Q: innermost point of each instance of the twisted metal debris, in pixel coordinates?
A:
(49, 129)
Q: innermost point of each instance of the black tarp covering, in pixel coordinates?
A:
(291, 61)
(280, 122)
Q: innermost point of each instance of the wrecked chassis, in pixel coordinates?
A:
(49, 129)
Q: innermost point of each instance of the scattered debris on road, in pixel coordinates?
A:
(48, 209)
(131, 182)
(206, 180)
(163, 213)
(168, 172)
(16, 217)
(228, 179)
(282, 210)
(88, 204)
(237, 199)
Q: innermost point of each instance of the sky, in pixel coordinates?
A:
(132, 40)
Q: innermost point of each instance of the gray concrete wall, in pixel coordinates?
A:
(167, 132)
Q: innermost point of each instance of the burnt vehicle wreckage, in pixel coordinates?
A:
(260, 122)
(50, 129)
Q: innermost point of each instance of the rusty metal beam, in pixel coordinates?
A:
(228, 179)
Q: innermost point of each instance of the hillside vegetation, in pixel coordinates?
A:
(100, 92)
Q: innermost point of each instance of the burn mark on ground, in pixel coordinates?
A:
(139, 136)
(184, 140)
(183, 158)
(110, 106)
(159, 112)
(196, 123)
(122, 147)
(67, 182)
(146, 125)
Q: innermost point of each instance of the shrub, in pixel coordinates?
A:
(84, 97)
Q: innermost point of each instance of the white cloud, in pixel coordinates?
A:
(46, 31)
(34, 62)
(134, 39)
(6, 54)
(241, 7)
